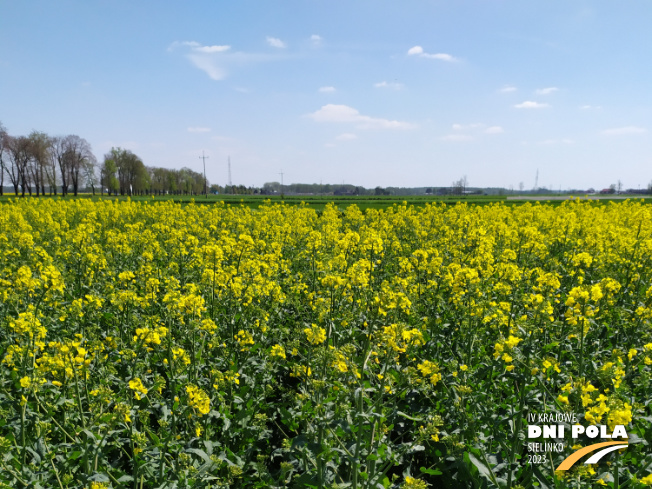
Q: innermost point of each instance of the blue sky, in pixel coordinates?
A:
(410, 93)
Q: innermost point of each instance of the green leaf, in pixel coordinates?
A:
(201, 453)
(478, 464)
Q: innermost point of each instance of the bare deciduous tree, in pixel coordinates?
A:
(57, 155)
(51, 167)
(40, 159)
(19, 158)
(76, 156)
(72, 155)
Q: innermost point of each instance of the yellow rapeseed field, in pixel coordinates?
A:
(159, 346)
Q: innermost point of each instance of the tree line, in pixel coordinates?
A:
(32, 163)
(124, 173)
(38, 164)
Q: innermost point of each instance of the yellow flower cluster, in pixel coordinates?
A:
(315, 335)
(198, 399)
(139, 389)
(147, 336)
(431, 370)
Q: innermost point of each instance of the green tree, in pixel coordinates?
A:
(108, 179)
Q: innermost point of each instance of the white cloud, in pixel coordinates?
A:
(392, 85)
(494, 130)
(326, 89)
(418, 51)
(347, 136)
(195, 46)
(528, 104)
(465, 127)
(346, 114)
(619, 131)
(457, 138)
(199, 129)
(212, 49)
(177, 44)
(218, 60)
(442, 56)
(546, 91)
(275, 42)
(208, 65)
(316, 39)
(507, 89)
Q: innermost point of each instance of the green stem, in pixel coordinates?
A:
(517, 429)
(8, 469)
(56, 472)
(354, 463)
(22, 432)
(72, 439)
(616, 474)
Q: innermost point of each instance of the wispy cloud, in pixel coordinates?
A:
(326, 89)
(275, 42)
(209, 66)
(347, 136)
(508, 89)
(546, 91)
(391, 85)
(316, 39)
(528, 104)
(346, 114)
(457, 138)
(217, 61)
(418, 51)
(199, 129)
(197, 47)
(212, 49)
(467, 132)
(466, 127)
(620, 131)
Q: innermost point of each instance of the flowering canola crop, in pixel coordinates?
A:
(155, 345)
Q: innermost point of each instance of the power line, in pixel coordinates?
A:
(203, 158)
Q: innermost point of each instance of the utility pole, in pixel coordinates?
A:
(203, 158)
(281, 173)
